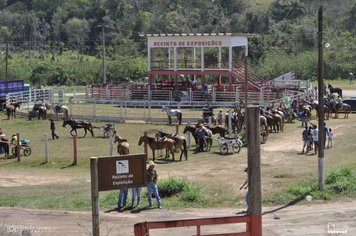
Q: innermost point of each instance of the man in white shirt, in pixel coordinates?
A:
(315, 134)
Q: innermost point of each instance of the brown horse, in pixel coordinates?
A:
(216, 129)
(180, 143)
(167, 144)
(11, 110)
(123, 147)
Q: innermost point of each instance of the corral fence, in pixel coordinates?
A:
(109, 103)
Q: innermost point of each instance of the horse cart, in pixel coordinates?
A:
(25, 146)
(227, 144)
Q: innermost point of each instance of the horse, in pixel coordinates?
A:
(123, 147)
(342, 107)
(192, 130)
(58, 108)
(41, 112)
(167, 144)
(75, 124)
(335, 90)
(11, 110)
(173, 112)
(180, 142)
(216, 130)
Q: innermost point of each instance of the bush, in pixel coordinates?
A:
(192, 193)
(171, 186)
(183, 189)
(341, 180)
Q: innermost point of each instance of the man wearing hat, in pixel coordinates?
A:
(152, 184)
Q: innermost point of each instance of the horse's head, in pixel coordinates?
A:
(186, 128)
(65, 122)
(141, 140)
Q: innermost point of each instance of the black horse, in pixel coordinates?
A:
(76, 124)
(11, 110)
(335, 90)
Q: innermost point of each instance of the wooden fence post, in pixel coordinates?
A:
(75, 150)
(145, 144)
(46, 147)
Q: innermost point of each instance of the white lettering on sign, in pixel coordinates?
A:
(188, 43)
(122, 167)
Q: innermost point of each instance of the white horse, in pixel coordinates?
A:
(173, 112)
(57, 108)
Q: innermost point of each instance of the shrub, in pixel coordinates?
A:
(171, 186)
(341, 180)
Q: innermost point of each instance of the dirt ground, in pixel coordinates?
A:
(337, 218)
(313, 218)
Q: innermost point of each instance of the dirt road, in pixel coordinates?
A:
(337, 218)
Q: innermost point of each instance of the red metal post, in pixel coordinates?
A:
(75, 150)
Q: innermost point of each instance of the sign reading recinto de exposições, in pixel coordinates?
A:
(121, 171)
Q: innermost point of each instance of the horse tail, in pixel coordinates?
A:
(185, 149)
(179, 115)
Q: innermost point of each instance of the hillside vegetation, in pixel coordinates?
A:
(59, 42)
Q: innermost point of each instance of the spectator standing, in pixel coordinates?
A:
(247, 196)
(152, 178)
(136, 195)
(305, 138)
(351, 76)
(330, 138)
(122, 201)
(220, 118)
(315, 134)
(325, 135)
(53, 129)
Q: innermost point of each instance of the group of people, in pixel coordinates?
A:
(310, 137)
(152, 188)
(5, 143)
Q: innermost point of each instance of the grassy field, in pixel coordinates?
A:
(59, 185)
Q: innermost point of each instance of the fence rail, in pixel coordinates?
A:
(143, 229)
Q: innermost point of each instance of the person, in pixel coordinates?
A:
(310, 142)
(325, 135)
(194, 84)
(351, 76)
(122, 200)
(152, 178)
(220, 118)
(53, 129)
(305, 138)
(204, 90)
(330, 138)
(315, 134)
(245, 186)
(4, 145)
(202, 134)
(136, 195)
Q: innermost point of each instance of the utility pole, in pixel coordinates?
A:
(6, 59)
(321, 134)
(104, 54)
